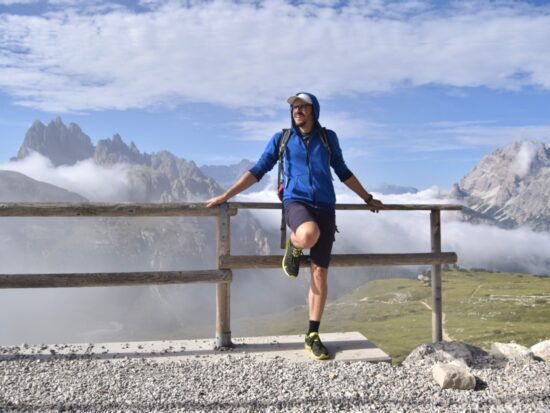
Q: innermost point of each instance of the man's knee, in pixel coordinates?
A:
(307, 234)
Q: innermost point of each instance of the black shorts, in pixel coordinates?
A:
(296, 213)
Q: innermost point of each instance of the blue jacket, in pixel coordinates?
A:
(306, 170)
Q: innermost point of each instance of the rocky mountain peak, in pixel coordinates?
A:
(61, 144)
(511, 186)
(114, 150)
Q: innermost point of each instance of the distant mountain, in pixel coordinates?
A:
(227, 175)
(159, 177)
(61, 144)
(16, 187)
(112, 151)
(510, 187)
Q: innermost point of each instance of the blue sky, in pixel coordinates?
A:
(417, 91)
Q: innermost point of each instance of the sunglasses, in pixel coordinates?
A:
(300, 107)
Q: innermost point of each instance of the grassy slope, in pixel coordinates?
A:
(480, 308)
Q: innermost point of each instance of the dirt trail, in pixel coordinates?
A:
(446, 337)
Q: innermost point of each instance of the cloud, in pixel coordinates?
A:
(94, 182)
(14, 2)
(450, 136)
(524, 158)
(250, 54)
(345, 125)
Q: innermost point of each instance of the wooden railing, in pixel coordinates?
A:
(222, 275)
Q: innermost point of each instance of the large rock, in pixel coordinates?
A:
(454, 375)
(510, 351)
(443, 351)
(542, 350)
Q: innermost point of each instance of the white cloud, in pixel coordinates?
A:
(247, 54)
(94, 182)
(524, 158)
(484, 134)
(14, 2)
(344, 124)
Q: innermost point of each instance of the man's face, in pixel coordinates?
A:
(302, 113)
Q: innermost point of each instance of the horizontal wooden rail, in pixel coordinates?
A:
(93, 209)
(341, 260)
(112, 279)
(355, 207)
(26, 209)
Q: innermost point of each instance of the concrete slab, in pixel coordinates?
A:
(351, 346)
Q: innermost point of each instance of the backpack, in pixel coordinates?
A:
(280, 185)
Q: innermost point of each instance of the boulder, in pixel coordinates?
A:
(510, 351)
(542, 350)
(443, 351)
(454, 375)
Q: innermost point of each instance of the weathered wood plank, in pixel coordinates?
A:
(28, 209)
(351, 207)
(92, 209)
(342, 260)
(112, 279)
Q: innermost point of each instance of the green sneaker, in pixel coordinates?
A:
(291, 260)
(315, 347)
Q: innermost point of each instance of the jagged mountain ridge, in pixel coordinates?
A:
(61, 144)
(509, 188)
(158, 177)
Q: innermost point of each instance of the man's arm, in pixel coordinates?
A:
(243, 183)
(354, 184)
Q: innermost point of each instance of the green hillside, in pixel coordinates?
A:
(479, 308)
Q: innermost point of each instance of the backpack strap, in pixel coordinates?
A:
(326, 144)
(283, 140)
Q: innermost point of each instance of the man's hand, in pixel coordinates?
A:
(375, 204)
(217, 200)
(244, 182)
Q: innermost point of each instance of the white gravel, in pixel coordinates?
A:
(243, 384)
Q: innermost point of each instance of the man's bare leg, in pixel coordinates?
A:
(318, 289)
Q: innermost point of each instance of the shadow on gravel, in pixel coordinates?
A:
(480, 384)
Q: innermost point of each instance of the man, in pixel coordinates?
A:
(308, 199)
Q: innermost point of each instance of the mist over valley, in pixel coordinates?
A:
(503, 229)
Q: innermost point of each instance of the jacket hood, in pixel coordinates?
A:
(316, 108)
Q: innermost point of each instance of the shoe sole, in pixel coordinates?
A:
(293, 277)
(313, 356)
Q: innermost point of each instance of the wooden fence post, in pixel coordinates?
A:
(223, 291)
(437, 320)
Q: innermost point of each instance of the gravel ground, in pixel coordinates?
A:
(242, 384)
